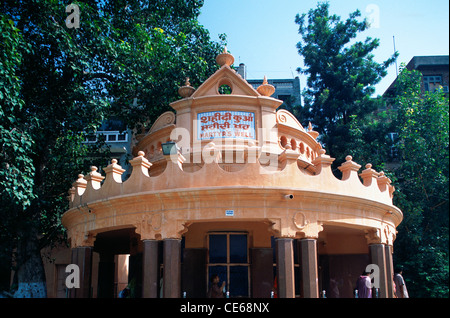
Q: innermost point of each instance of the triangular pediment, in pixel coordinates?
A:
(225, 76)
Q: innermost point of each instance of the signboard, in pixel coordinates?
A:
(226, 124)
(229, 212)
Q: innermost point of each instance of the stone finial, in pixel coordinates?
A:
(322, 162)
(115, 171)
(80, 184)
(71, 195)
(349, 168)
(311, 132)
(140, 165)
(265, 88)
(383, 182)
(368, 175)
(186, 90)
(96, 175)
(94, 178)
(225, 58)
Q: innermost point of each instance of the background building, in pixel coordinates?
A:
(435, 73)
(435, 76)
(287, 90)
(116, 135)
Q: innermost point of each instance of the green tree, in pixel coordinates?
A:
(370, 140)
(16, 182)
(157, 47)
(60, 82)
(422, 186)
(341, 76)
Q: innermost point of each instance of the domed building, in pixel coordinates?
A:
(228, 185)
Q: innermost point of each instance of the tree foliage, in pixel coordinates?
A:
(58, 83)
(338, 101)
(16, 170)
(422, 186)
(341, 75)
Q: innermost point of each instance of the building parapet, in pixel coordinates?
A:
(285, 174)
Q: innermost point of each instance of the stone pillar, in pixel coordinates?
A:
(285, 268)
(150, 269)
(82, 257)
(378, 257)
(389, 271)
(172, 268)
(308, 266)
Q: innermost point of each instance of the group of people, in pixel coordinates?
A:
(364, 285)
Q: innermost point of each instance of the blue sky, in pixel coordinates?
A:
(263, 35)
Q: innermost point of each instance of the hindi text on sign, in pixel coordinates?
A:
(226, 124)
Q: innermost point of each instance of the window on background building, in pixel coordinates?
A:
(287, 85)
(394, 150)
(114, 130)
(228, 257)
(432, 83)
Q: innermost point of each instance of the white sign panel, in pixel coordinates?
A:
(229, 212)
(226, 124)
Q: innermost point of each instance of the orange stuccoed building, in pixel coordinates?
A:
(228, 185)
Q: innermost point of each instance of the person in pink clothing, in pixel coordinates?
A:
(364, 285)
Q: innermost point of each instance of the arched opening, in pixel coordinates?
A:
(225, 89)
